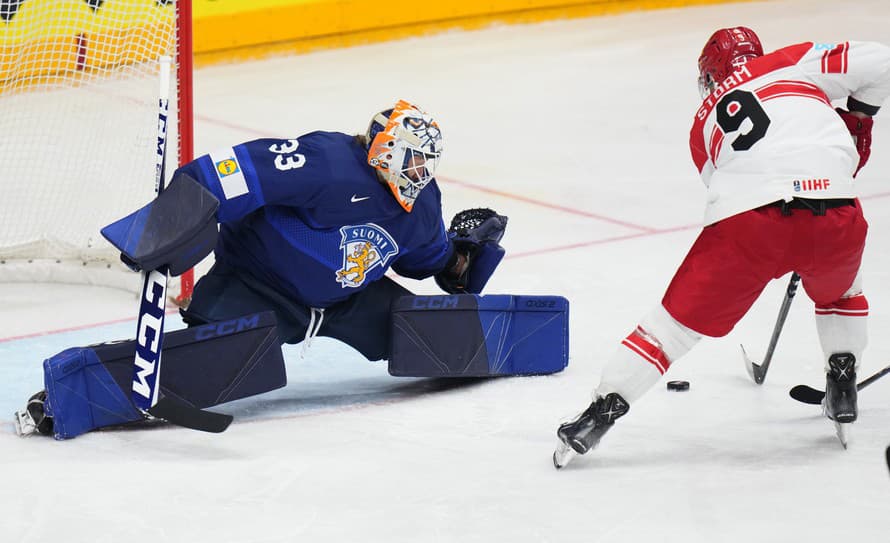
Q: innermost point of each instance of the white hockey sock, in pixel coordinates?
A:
(645, 354)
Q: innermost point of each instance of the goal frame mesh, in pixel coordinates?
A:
(71, 63)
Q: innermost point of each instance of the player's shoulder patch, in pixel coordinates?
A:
(834, 57)
(229, 172)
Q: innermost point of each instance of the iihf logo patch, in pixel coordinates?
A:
(364, 248)
(796, 185)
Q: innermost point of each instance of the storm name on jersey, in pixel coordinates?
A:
(364, 248)
(737, 78)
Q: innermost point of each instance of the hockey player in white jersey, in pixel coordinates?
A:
(778, 161)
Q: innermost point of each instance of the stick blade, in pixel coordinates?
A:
(806, 394)
(755, 371)
(182, 414)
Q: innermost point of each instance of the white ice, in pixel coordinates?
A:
(577, 130)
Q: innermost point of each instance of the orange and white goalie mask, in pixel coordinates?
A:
(404, 147)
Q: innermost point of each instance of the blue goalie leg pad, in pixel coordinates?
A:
(81, 395)
(466, 335)
(90, 387)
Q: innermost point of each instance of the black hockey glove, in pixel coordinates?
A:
(476, 234)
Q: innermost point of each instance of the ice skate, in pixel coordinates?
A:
(839, 404)
(585, 431)
(32, 419)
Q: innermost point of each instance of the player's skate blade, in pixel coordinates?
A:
(563, 455)
(843, 432)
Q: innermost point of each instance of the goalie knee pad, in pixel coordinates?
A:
(177, 229)
(90, 387)
(465, 335)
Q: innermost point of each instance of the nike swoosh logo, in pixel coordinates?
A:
(355, 198)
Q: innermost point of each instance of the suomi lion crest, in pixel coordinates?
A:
(363, 248)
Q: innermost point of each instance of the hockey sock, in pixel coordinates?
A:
(842, 327)
(645, 355)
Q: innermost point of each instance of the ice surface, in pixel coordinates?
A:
(577, 130)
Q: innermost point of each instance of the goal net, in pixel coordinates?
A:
(79, 86)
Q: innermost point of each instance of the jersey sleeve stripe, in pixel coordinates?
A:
(835, 60)
(697, 146)
(716, 144)
(786, 87)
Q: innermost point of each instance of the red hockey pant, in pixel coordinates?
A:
(732, 261)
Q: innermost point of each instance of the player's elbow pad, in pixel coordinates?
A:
(177, 229)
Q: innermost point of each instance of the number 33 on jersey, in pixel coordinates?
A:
(769, 131)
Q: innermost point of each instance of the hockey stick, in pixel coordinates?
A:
(758, 371)
(808, 394)
(152, 308)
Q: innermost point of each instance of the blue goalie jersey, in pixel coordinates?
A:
(309, 217)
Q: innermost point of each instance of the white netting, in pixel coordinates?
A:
(78, 129)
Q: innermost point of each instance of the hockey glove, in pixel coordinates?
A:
(177, 229)
(860, 129)
(475, 234)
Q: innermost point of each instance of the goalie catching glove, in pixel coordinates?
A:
(476, 234)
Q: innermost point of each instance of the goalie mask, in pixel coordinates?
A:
(725, 52)
(404, 146)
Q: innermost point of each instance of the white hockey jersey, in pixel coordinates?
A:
(769, 132)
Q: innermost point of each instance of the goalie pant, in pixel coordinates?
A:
(89, 387)
(434, 336)
(361, 321)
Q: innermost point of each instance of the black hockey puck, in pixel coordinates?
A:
(678, 385)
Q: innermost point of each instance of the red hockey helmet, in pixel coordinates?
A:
(724, 52)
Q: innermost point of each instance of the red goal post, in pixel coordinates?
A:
(78, 130)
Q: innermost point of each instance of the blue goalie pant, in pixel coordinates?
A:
(466, 335)
(91, 387)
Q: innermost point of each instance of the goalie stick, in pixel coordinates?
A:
(758, 371)
(152, 308)
(810, 395)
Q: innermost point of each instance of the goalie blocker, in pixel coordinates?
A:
(465, 335)
(89, 387)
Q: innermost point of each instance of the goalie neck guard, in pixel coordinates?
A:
(404, 146)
